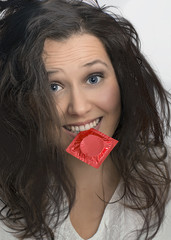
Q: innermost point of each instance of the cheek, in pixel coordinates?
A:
(109, 99)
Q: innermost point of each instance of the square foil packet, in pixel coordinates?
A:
(91, 147)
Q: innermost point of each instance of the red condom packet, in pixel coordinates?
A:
(91, 147)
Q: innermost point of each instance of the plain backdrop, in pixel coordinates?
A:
(152, 20)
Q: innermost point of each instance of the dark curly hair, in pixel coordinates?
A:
(34, 181)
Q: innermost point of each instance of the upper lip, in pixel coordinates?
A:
(81, 123)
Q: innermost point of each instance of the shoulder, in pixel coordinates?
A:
(122, 221)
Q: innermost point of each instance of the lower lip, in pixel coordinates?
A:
(73, 135)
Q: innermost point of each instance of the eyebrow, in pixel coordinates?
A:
(95, 62)
(89, 64)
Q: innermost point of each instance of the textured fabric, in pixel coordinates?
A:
(117, 224)
(114, 223)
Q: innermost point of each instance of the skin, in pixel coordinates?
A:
(79, 99)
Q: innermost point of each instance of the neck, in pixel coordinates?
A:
(103, 180)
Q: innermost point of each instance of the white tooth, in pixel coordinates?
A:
(97, 121)
(77, 128)
(82, 128)
(87, 126)
(94, 123)
(73, 128)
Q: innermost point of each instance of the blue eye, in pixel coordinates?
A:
(54, 87)
(94, 78)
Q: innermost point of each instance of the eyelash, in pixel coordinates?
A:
(101, 75)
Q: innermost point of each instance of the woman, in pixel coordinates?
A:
(64, 63)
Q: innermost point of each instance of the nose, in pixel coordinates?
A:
(79, 103)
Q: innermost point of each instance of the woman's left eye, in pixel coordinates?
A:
(95, 78)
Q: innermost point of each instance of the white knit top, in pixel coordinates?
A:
(117, 223)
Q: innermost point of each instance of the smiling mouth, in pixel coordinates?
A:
(77, 129)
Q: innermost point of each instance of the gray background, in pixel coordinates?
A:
(152, 20)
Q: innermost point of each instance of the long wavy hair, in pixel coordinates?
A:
(34, 181)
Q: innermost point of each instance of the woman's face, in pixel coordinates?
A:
(83, 83)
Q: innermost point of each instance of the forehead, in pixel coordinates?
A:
(77, 48)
